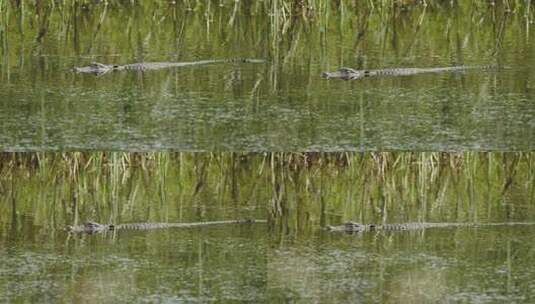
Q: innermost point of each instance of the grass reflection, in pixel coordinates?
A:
(299, 191)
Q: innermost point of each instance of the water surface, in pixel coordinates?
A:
(289, 259)
(206, 264)
(281, 105)
(457, 265)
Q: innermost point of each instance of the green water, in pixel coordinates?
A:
(281, 105)
(437, 127)
(459, 265)
(289, 259)
(159, 266)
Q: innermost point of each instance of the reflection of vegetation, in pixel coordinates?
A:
(300, 190)
(401, 267)
(397, 187)
(281, 30)
(42, 40)
(120, 187)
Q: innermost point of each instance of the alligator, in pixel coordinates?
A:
(352, 74)
(93, 227)
(358, 227)
(100, 68)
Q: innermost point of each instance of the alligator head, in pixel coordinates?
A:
(352, 227)
(355, 227)
(97, 68)
(90, 227)
(346, 74)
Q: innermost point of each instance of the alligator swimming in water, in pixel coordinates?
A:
(358, 227)
(100, 68)
(93, 227)
(352, 74)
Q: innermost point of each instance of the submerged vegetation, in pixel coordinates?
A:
(297, 190)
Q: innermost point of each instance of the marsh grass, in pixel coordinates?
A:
(296, 190)
(41, 41)
(297, 37)
(281, 21)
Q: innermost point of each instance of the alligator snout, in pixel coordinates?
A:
(325, 75)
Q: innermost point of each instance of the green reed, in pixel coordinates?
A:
(295, 36)
(297, 190)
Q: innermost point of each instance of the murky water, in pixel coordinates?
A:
(289, 259)
(206, 264)
(281, 105)
(458, 265)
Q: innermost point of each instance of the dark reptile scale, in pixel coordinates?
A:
(93, 227)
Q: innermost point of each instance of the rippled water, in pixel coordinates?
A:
(456, 265)
(289, 259)
(459, 265)
(280, 105)
(227, 263)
